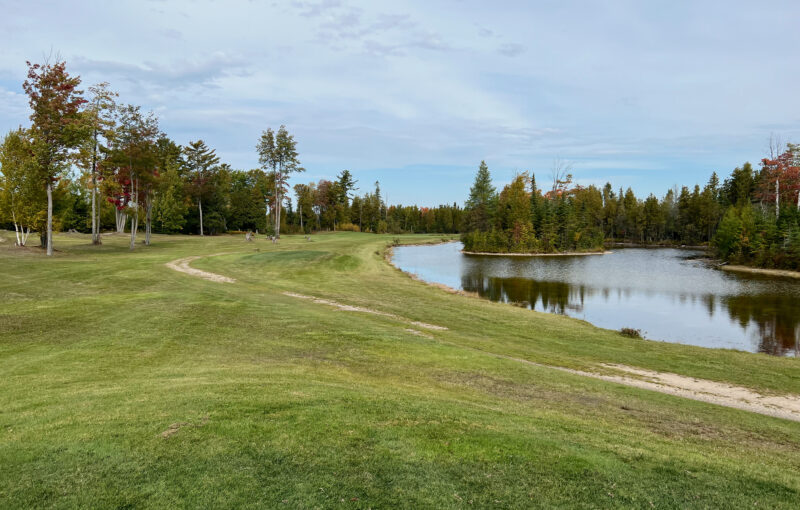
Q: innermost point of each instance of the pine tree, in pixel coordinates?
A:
(481, 202)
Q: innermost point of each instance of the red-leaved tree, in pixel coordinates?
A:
(780, 179)
(57, 125)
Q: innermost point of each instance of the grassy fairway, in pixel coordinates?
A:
(126, 384)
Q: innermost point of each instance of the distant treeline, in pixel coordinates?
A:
(232, 201)
(753, 217)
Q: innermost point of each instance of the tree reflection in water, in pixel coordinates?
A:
(553, 297)
(776, 320)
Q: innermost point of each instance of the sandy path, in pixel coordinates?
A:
(351, 308)
(182, 265)
(712, 392)
(779, 406)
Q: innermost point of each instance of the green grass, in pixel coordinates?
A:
(291, 404)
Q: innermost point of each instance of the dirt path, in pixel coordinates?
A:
(712, 392)
(351, 308)
(780, 406)
(182, 265)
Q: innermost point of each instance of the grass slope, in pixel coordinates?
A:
(126, 384)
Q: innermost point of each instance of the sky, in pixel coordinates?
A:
(415, 94)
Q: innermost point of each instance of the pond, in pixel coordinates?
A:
(669, 294)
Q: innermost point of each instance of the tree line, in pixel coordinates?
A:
(89, 163)
(752, 217)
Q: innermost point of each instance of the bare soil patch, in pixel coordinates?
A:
(351, 308)
(182, 265)
(781, 406)
(175, 427)
(712, 392)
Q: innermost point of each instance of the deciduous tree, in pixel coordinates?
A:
(57, 126)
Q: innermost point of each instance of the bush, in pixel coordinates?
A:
(347, 227)
(631, 333)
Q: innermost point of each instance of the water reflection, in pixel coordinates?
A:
(664, 292)
(777, 320)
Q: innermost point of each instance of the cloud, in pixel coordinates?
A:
(178, 74)
(511, 49)
(344, 27)
(316, 9)
(13, 105)
(170, 33)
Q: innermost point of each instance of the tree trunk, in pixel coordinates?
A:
(135, 215)
(200, 208)
(95, 230)
(122, 219)
(16, 231)
(277, 214)
(777, 198)
(148, 220)
(266, 214)
(304, 230)
(49, 217)
(134, 228)
(95, 205)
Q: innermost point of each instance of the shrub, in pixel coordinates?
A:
(347, 227)
(631, 332)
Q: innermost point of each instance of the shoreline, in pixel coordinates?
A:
(564, 254)
(785, 273)
(388, 257)
(654, 246)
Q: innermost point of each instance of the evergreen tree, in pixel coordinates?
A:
(480, 205)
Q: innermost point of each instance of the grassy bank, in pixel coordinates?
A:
(125, 383)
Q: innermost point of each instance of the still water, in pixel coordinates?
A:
(665, 293)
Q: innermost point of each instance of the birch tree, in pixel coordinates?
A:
(277, 152)
(99, 116)
(136, 155)
(21, 194)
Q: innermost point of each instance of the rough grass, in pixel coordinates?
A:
(126, 384)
